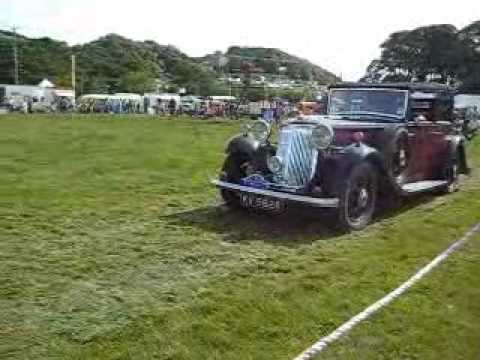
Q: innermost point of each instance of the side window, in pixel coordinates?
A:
(444, 109)
(422, 107)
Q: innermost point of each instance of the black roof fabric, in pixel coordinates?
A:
(427, 87)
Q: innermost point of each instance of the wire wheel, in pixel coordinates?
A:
(232, 171)
(358, 198)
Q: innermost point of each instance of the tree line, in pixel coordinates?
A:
(435, 53)
(113, 64)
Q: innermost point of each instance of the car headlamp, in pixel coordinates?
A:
(322, 136)
(259, 130)
(274, 164)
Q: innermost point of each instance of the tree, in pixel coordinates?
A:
(138, 82)
(470, 64)
(437, 53)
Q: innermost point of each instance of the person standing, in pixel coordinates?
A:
(172, 105)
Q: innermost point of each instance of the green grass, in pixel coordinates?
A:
(112, 246)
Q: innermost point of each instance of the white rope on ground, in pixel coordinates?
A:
(323, 342)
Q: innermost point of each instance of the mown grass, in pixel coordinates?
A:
(113, 246)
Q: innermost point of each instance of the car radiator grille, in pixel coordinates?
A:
(298, 155)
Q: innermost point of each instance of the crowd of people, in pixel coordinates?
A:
(166, 105)
(198, 108)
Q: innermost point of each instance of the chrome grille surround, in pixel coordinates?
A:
(298, 155)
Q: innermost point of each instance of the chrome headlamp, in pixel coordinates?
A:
(259, 130)
(322, 136)
(274, 164)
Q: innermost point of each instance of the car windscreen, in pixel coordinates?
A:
(377, 102)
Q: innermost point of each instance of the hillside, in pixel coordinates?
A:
(116, 64)
(110, 64)
(268, 61)
(120, 64)
(38, 58)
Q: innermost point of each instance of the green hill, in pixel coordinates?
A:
(116, 64)
(271, 62)
(110, 64)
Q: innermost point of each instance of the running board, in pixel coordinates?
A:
(320, 202)
(421, 186)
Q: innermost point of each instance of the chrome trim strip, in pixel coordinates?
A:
(320, 202)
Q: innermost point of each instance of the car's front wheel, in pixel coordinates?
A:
(233, 171)
(358, 197)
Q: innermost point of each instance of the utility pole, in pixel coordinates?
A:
(15, 55)
(73, 78)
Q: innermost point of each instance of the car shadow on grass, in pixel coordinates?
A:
(297, 226)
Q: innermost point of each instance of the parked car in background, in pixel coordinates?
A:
(42, 106)
(376, 140)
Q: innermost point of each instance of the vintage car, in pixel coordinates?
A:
(376, 140)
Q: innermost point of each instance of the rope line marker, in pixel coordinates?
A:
(343, 329)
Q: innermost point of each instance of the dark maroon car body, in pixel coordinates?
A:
(411, 147)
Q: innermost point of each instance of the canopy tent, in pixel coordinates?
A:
(64, 93)
(45, 83)
(126, 96)
(223, 98)
(95, 96)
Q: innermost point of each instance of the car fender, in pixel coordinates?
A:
(242, 144)
(251, 150)
(355, 154)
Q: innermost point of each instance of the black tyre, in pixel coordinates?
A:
(233, 171)
(358, 198)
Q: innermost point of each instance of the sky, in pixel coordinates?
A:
(341, 36)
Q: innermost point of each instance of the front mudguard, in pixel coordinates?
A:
(242, 144)
(336, 167)
(248, 149)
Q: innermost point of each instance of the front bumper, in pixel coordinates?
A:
(318, 202)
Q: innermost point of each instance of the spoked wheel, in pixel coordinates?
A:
(400, 159)
(358, 198)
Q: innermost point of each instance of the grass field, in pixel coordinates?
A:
(113, 246)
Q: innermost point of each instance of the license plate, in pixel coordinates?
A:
(261, 202)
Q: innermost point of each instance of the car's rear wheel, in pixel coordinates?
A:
(358, 198)
(233, 171)
(399, 158)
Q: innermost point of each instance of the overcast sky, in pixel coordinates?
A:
(342, 36)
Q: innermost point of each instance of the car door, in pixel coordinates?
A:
(429, 147)
(417, 140)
